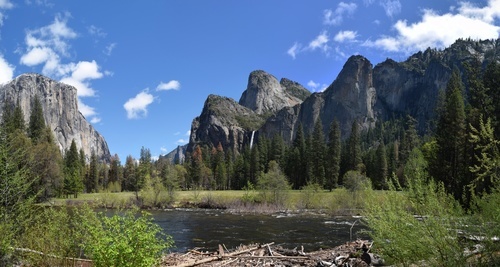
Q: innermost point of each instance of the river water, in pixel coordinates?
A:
(197, 228)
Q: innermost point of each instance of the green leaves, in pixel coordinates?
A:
(125, 240)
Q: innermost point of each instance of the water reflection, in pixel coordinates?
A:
(208, 228)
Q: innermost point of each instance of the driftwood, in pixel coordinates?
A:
(348, 254)
(218, 257)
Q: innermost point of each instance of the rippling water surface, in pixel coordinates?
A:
(208, 228)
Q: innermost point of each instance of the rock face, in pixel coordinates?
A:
(361, 93)
(350, 97)
(177, 155)
(265, 95)
(60, 105)
(232, 124)
(224, 120)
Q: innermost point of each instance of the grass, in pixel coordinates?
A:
(339, 201)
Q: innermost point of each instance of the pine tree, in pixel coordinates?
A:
(354, 148)
(380, 181)
(129, 174)
(92, 177)
(450, 138)
(318, 156)
(72, 170)
(491, 82)
(37, 121)
(333, 156)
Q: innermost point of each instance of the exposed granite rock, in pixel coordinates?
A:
(178, 155)
(224, 120)
(350, 97)
(360, 93)
(265, 95)
(60, 106)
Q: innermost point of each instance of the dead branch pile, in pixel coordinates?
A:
(350, 254)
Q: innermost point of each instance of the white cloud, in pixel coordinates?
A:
(294, 50)
(95, 120)
(163, 149)
(86, 111)
(6, 4)
(6, 71)
(47, 44)
(320, 42)
(171, 85)
(435, 30)
(182, 141)
(81, 74)
(316, 87)
(188, 133)
(342, 36)
(391, 7)
(36, 56)
(96, 31)
(336, 17)
(137, 106)
(312, 84)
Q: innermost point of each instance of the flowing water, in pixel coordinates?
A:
(208, 228)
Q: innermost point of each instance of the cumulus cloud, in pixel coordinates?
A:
(441, 30)
(343, 36)
(46, 45)
(312, 84)
(171, 85)
(49, 45)
(335, 17)
(6, 71)
(391, 7)
(81, 74)
(137, 106)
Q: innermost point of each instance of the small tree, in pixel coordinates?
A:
(273, 185)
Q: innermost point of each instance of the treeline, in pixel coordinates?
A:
(456, 147)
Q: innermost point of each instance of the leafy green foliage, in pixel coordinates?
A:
(125, 240)
(418, 224)
(273, 185)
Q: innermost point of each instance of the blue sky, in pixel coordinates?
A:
(143, 69)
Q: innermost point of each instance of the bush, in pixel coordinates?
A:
(355, 181)
(418, 224)
(125, 240)
(310, 196)
(273, 185)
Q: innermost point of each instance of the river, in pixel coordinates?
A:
(197, 228)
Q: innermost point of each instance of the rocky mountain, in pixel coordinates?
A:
(177, 155)
(265, 95)
(60, 105)
(233, 124)
(361, 93)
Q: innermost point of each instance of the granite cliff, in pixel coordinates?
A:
(60, 105)
(361, 93)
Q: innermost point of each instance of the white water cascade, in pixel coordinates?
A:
(251, 140)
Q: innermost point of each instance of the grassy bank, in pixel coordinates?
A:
(338, 201)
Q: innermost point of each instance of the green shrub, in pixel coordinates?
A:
(125, 240)
(309, 195)
(273, 185)
(417, 224)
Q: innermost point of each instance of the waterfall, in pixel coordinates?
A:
(251, 140)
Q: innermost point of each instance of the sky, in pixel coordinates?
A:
(143, 69)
